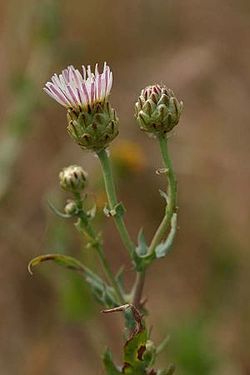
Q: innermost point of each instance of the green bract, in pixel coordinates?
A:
(157, 109)
(95, 128)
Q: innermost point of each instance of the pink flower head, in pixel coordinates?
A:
(74, 90)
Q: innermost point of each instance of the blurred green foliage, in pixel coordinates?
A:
(190, 347)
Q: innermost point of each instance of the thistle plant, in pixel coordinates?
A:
(93, 125)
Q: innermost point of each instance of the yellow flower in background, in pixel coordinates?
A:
(128, 156)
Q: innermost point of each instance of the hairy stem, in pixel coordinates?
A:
(172, 189)
(112, 200)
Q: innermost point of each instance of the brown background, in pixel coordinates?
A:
(200, 293)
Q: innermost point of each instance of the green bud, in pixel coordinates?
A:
(71, 208)
(157, 110)
(73, 179)
(95, 128)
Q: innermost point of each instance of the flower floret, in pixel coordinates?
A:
(74, 90)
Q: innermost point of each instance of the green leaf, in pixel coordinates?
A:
(61, 260)
(142, 248)
(57, 212)
(133, 353)
(109, 365)
(141, 257)
(120, 278)
(163, 195)
(103, 293)
(164, 247)
(163, 345)
(135, 346)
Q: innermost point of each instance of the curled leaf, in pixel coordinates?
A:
(57, 212)
(61, 260)
(102, 292)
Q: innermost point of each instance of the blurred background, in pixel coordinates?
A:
(199, 294)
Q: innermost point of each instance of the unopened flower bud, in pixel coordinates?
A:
(157, 109)
(71, 208)
(73, 179)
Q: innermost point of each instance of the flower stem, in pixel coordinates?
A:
(138, 289)
(172, 189)
(112, 200)
(84, 227)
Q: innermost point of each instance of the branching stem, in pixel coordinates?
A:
(112, 200)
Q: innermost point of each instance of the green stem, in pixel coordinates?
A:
(138, 289)
(172, 189)
(112, 200)
(84, 227)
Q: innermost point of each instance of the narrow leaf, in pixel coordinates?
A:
(162, 345)
(103, 293)
(142, 247)
(61, 260)
(163, 195)
(163, 248)
(120, 278)
(57, 212)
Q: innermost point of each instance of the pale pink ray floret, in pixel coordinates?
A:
(78, 91)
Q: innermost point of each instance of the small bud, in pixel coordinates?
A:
(157, 110)
(73, 179)
(71, 208)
